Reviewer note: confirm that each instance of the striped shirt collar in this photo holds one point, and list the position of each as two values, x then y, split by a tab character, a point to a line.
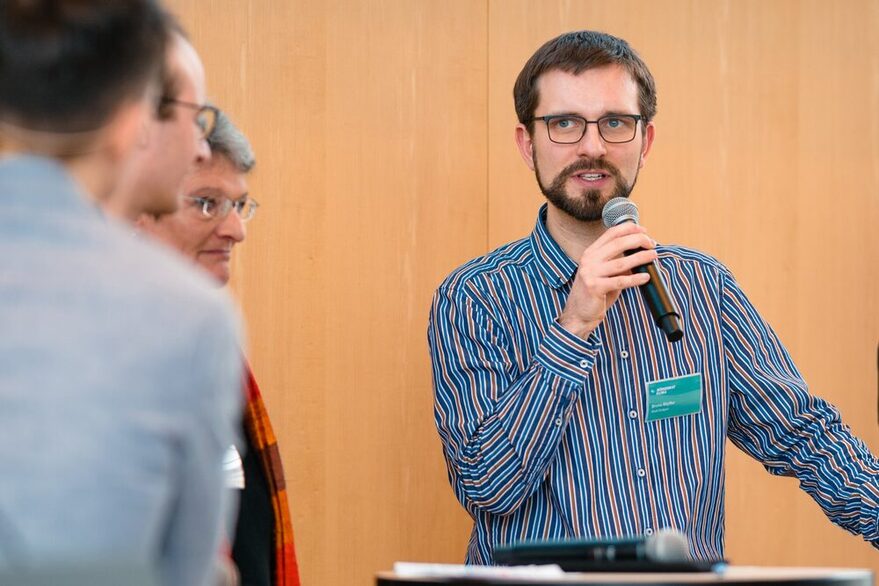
555	267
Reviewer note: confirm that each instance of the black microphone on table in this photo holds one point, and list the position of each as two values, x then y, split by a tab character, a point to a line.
667	548
655	293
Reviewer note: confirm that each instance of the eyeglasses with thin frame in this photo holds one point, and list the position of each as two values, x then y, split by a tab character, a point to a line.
570	128
211	207
205	114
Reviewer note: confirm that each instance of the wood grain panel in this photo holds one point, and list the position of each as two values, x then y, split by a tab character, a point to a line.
368	120
767	126
406	176
265	68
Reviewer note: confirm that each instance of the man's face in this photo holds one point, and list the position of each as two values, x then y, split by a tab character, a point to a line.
580	178
175	143
207	241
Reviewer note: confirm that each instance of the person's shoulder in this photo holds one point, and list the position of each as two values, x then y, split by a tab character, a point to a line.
511	256
682	255
188	327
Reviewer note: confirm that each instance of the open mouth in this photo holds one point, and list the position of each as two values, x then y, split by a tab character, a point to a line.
591	176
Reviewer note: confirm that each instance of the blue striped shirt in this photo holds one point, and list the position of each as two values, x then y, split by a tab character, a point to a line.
545	434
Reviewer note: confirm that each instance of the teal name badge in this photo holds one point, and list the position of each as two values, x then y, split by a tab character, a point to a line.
674	397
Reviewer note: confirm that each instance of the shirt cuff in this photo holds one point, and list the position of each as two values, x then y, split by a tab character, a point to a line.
567	355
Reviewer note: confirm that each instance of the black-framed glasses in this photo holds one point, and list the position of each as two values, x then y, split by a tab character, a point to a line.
205	114
570	128
212	207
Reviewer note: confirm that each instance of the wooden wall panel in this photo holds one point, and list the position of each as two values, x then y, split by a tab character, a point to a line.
384	134
368	123
254	59
405	192
766	127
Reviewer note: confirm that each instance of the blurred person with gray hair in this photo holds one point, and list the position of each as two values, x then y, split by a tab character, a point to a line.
211	220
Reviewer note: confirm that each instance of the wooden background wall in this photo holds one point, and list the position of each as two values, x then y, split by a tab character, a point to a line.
384	133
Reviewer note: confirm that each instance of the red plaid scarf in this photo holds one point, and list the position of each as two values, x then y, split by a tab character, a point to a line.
259	429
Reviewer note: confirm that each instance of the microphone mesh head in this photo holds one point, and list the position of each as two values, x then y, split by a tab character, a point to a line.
619	210
668	545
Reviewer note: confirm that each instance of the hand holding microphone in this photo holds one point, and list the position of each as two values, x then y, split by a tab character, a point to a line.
621	211
621	258
604	271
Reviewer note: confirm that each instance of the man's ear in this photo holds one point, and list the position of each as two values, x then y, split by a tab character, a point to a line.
649	135
525	144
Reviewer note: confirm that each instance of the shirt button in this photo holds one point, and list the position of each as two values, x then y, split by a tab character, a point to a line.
642	473
624	354
633	414
648	531
584	363
558	422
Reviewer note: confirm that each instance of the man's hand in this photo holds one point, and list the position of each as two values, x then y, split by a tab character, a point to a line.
604	272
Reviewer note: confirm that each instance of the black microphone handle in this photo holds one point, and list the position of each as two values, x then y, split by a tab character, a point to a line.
660	304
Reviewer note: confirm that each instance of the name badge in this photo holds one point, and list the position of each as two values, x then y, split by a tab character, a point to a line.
674	397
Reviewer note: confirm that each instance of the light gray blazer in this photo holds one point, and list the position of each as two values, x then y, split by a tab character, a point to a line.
120	388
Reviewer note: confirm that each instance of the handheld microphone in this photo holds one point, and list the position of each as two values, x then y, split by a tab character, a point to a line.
666	547
655	293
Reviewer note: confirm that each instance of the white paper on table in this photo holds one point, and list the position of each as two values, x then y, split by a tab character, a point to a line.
420	570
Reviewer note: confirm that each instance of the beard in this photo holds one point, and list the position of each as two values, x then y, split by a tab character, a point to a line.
588	206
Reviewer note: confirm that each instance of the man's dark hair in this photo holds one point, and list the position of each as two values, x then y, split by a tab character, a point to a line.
66	65
574	53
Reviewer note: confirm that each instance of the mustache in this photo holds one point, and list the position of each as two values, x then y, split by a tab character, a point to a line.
590	165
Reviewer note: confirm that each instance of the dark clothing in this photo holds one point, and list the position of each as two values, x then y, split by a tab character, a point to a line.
254	546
